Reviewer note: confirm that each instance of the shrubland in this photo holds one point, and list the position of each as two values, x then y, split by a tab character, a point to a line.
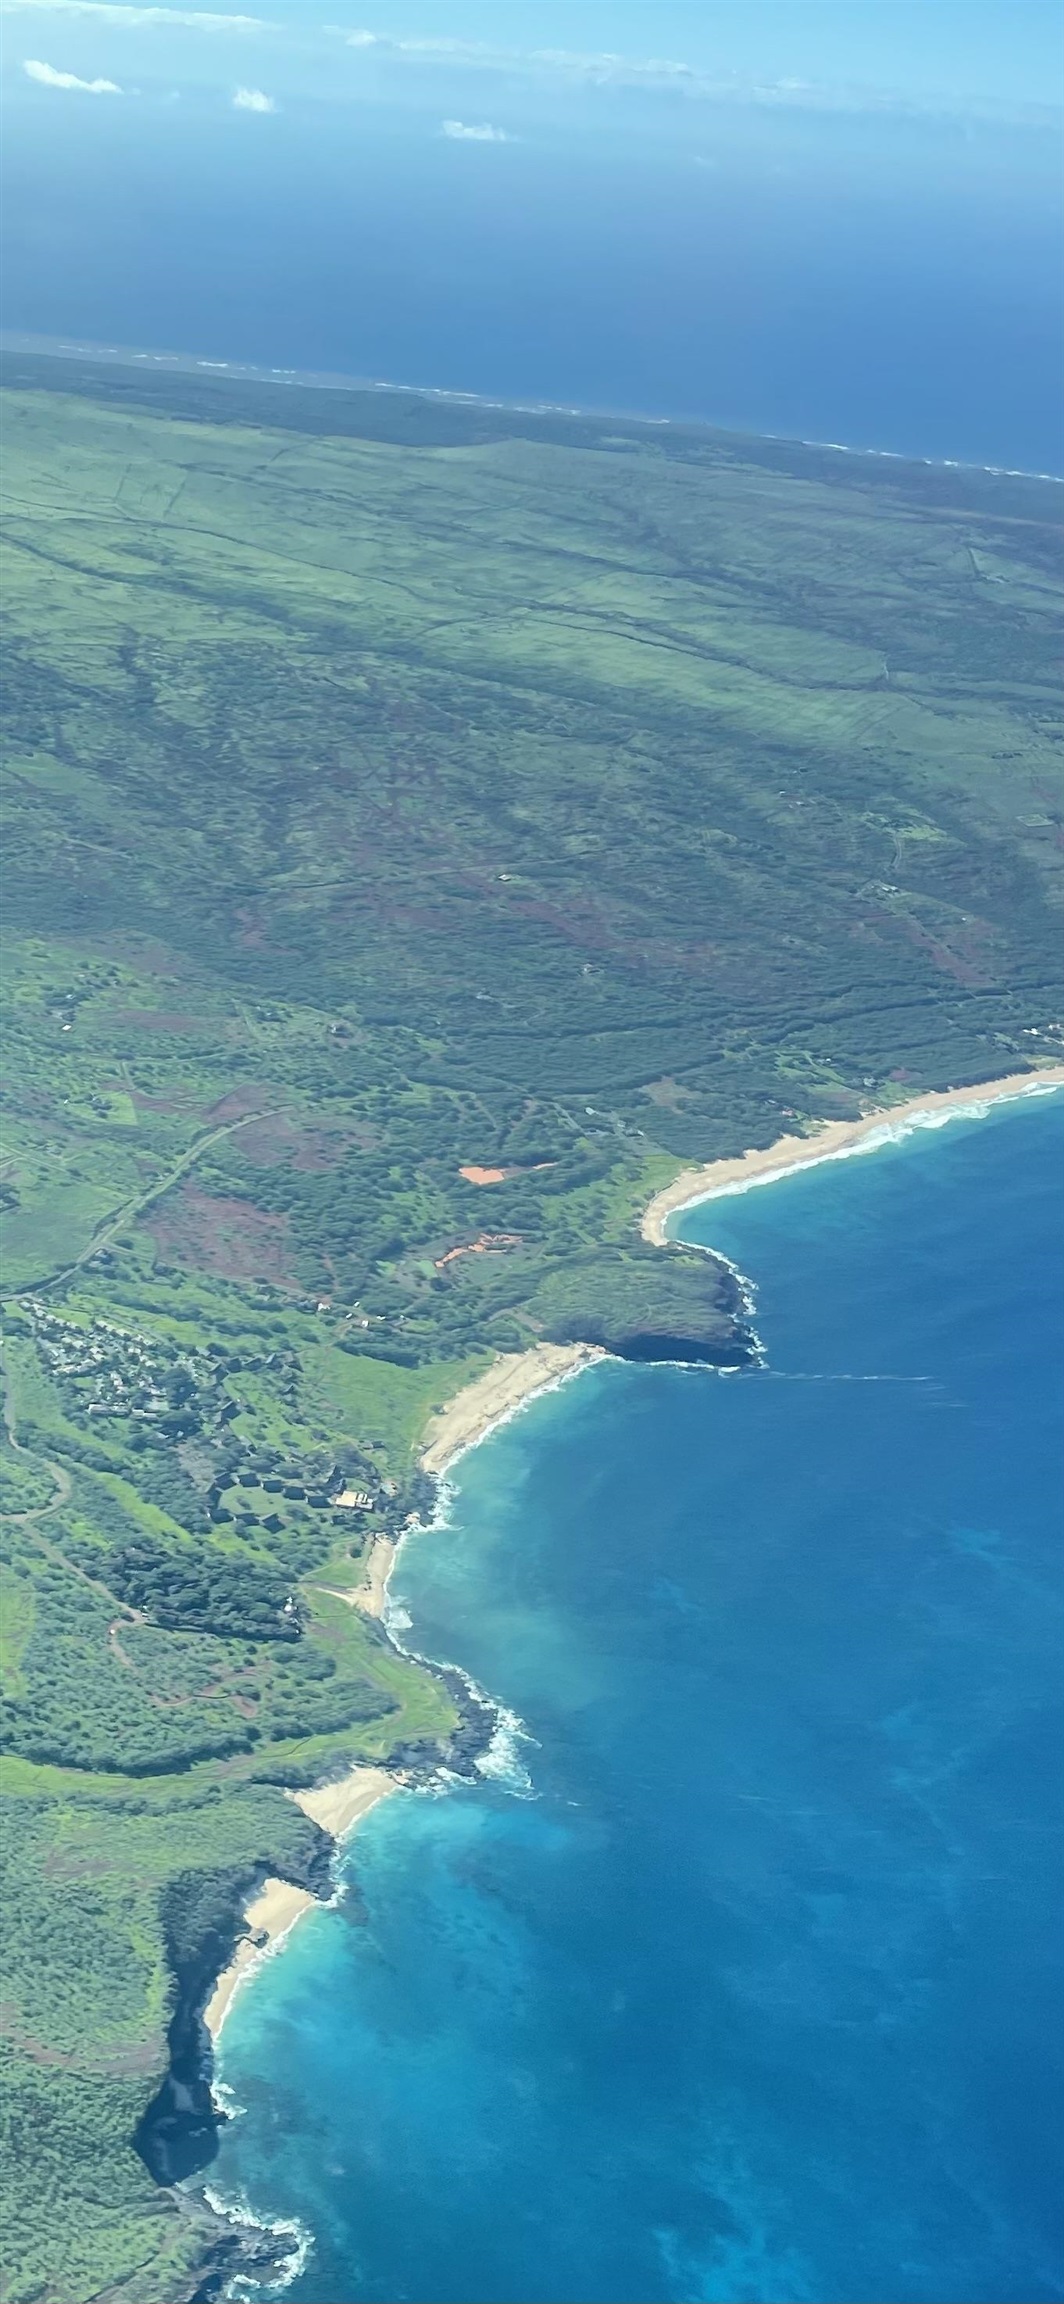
397	790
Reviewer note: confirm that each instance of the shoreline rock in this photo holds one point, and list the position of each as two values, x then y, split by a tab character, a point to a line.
177	2136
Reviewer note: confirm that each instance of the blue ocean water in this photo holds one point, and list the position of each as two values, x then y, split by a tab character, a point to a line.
882	283
751	1989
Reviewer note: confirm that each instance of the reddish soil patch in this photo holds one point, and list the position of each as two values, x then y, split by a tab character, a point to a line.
131	2060
254	1096
212	1233
185	1105
64	1864
268	1143
325	1147
144	953
489	1244
185	1101
279	1141
475	1175
250	929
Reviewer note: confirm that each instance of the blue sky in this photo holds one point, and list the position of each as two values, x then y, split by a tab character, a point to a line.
834	218
958	55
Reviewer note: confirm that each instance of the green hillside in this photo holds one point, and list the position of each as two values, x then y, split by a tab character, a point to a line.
394	790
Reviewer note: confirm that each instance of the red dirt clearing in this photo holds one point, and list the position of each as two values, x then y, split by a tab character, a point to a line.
212	1233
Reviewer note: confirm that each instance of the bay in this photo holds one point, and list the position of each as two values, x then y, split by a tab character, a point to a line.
744	1983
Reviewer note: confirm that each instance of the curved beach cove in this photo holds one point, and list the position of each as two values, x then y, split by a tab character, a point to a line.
740	1979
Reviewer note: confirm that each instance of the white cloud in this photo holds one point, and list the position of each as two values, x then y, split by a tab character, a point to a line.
253	100
571	63
606	69
458	130
111	12
48	77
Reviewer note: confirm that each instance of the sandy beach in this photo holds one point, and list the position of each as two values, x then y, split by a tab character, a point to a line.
371	1594
340	1805
516	1377
270	1915
278	1905
827	1143
513	1378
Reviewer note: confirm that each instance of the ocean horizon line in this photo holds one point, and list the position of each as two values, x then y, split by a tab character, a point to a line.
328	380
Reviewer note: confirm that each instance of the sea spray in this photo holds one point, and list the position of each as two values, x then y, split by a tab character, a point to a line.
290	2260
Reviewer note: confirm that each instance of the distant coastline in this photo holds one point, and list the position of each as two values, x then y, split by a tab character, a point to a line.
245	371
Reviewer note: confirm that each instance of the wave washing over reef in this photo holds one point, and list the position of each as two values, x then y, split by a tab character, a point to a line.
758	1996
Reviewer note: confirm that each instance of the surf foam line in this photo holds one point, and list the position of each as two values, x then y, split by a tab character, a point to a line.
289	2264
595	1353
326	380
886	1132
747	1290
500	1762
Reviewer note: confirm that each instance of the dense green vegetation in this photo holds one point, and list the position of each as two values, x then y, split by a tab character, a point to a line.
395	790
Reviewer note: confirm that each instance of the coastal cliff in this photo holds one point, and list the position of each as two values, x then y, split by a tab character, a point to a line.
639	1304
511	917
206	1923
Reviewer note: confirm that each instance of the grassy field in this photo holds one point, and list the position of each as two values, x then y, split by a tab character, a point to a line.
396	790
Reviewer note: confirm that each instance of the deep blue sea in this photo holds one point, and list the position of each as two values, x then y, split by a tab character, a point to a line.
745	1984
881	283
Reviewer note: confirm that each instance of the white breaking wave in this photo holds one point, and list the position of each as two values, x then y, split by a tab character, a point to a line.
502	1761
224	2100
287	2228
888	1132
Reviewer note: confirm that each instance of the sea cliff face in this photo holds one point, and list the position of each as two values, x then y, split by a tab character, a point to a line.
777	1917
203	1918
204	1922
680	1304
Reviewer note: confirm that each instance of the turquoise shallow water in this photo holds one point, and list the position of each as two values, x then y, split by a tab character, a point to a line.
751	1990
